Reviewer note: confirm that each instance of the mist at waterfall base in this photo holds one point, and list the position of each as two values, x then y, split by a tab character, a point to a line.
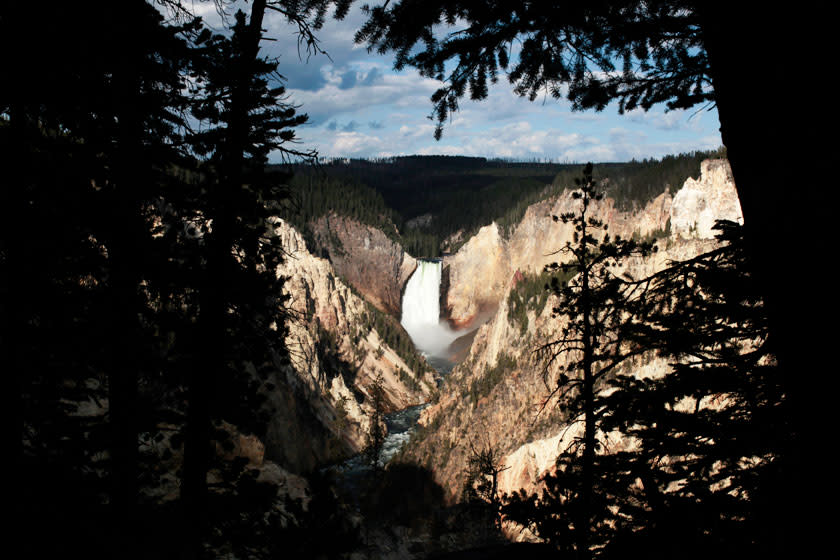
421	316
433	337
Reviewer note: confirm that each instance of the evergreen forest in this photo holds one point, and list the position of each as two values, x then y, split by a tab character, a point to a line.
421	202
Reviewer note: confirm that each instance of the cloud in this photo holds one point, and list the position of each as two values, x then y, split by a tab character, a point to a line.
395	90
417	130
355	143
358	106
373	77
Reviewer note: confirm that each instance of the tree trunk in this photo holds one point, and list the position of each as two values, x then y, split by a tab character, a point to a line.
588	481
15	299
755	58
125	255
214	297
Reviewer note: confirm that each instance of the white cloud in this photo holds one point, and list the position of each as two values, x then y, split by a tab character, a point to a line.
503	125
398	90
354	143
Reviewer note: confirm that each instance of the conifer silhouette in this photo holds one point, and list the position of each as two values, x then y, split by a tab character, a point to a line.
592	308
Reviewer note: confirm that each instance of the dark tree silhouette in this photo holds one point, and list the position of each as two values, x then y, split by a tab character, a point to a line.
111	228
93	141
484	465
704	450
712	436
593	308
241	302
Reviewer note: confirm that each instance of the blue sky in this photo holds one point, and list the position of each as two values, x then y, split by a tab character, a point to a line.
358	106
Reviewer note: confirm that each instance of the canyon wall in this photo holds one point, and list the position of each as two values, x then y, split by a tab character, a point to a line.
498	396
375	265
336	354
481	270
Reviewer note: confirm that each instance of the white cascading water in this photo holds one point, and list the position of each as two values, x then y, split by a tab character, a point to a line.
421	310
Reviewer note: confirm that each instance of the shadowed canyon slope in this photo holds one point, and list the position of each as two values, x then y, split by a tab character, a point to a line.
364	256
336	354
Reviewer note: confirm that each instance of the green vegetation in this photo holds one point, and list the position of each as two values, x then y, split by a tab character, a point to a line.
394	335
655	235
464	193
483	385
530	294
636	183
316	193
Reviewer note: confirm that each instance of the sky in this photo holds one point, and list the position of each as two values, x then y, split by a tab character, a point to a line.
360	107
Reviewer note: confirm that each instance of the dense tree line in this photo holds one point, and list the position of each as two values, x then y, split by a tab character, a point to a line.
530	294
143	320
463	194
314	194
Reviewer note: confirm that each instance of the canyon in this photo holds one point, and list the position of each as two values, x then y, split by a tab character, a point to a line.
496	396
332	297
509	411
336	356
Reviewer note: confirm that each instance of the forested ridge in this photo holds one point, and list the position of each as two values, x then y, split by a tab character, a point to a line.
420	201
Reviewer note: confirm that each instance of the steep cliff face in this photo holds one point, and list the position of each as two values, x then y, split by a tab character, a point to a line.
482	267
700	202
336	354
497	396
480	271
476	276
373	264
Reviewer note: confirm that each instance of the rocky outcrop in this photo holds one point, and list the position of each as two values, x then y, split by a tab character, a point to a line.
476	276
481	269
364	256
335	356
497	396
700	202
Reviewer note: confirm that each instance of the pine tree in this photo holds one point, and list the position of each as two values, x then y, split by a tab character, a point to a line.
93	142
707	450
593	308
241	322
484	465
377	431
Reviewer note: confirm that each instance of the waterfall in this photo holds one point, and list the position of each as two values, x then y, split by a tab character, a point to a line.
421	310
421	301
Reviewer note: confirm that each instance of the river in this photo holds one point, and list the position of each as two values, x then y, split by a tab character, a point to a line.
439	344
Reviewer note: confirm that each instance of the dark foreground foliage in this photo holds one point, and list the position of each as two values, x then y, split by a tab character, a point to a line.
708	450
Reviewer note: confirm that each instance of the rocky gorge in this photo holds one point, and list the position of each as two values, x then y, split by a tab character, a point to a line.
496	396
336	356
